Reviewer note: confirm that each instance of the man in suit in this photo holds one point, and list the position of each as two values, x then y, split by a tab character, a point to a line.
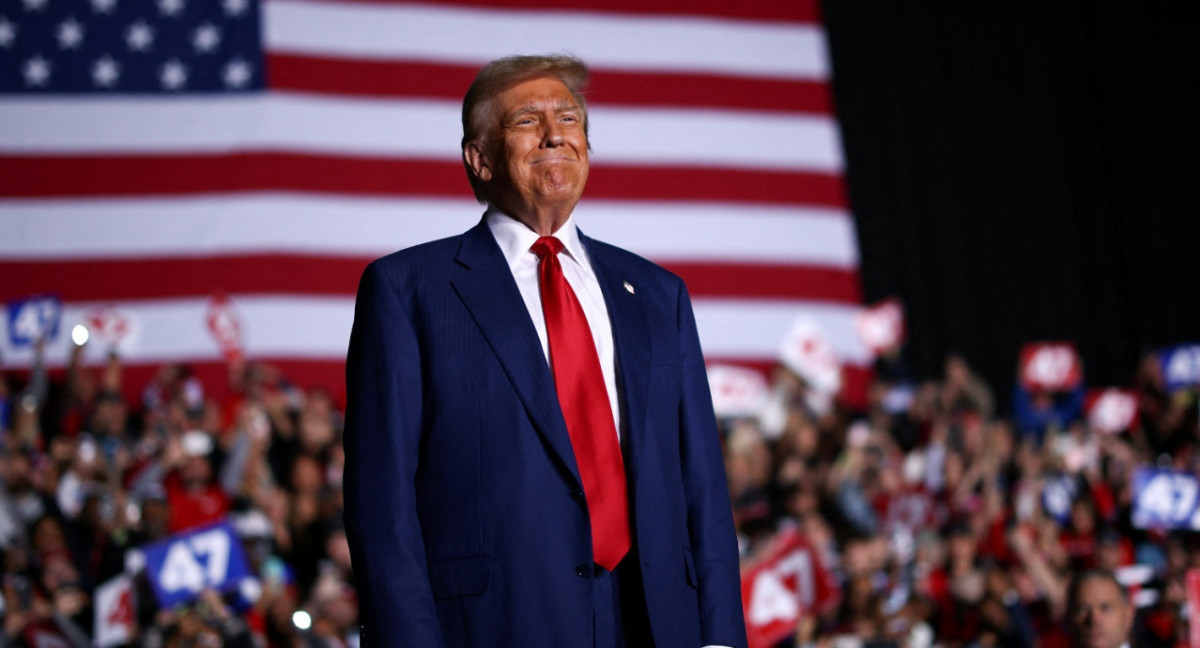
1099	610
531	452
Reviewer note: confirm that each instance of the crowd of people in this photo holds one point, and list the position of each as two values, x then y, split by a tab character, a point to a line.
944	523
90	480
932	520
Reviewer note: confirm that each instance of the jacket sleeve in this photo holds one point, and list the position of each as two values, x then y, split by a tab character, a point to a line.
382	439
710	516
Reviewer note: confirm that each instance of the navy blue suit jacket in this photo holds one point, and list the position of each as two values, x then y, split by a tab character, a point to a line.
464	509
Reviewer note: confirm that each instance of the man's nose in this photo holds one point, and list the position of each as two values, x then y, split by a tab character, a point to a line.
553	134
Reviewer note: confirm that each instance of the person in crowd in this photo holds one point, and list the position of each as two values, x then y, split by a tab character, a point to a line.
1099	610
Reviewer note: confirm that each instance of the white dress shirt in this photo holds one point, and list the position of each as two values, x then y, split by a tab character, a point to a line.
515	239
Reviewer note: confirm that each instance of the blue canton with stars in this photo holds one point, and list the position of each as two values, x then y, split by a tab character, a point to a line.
130	46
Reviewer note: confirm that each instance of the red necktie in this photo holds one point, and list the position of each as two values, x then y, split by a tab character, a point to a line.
586	408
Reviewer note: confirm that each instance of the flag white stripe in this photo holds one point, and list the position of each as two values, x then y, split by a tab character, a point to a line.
98	228
426	129
754	328
474	36
319	328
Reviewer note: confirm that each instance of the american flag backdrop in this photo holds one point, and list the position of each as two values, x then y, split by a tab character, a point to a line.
155	153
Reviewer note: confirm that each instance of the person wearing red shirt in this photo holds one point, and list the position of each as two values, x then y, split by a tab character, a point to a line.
193	495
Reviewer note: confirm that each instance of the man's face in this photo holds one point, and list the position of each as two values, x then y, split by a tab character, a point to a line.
535	161
1102	618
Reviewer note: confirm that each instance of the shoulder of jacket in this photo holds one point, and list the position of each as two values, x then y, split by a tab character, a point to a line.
622	260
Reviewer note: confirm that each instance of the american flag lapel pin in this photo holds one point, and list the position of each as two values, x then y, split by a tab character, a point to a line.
629	287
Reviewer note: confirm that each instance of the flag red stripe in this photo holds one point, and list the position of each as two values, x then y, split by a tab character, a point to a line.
769	281
132	279
113	175
299	274
807	11
375	78
856	379
330	375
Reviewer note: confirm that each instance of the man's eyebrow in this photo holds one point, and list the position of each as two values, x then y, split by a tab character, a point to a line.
560	107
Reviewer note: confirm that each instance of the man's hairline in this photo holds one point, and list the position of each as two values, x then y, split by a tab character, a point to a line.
1095	574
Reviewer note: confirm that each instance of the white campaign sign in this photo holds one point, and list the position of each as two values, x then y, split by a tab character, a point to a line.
1114	410
115	612
808	352
737	391
1051	365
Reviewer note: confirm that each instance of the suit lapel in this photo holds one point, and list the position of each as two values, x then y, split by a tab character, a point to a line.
631	338
487	289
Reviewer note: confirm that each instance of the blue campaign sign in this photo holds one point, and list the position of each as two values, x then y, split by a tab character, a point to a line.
33	318
1180	366
186	563
1166	499
1057	497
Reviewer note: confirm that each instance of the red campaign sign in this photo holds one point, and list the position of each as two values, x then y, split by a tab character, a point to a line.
881	326
1192	585
787	580
909	509
1050	366
108	325
737	391
809	353
226	327
1111	411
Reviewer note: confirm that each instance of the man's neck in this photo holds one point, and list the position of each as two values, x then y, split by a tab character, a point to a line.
543	221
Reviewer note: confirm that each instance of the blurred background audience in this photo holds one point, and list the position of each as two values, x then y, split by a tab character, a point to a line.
927	518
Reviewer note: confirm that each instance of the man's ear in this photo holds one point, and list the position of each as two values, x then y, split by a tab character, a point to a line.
477	160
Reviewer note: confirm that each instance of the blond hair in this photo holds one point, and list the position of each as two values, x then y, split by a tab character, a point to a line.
503	73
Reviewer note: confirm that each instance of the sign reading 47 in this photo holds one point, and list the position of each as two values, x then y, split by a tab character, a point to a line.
1166	499
183	565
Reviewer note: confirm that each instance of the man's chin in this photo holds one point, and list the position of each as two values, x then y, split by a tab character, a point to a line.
558	193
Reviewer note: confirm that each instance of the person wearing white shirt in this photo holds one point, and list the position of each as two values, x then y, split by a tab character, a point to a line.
532	457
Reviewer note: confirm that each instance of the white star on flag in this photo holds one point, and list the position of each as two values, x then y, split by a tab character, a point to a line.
170	7
236	73
105	72
8	32
34	5
206	38
70	34
235	7
173	75
103	6
36	71
139	36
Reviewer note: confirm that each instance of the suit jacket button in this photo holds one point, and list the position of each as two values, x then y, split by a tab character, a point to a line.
583	571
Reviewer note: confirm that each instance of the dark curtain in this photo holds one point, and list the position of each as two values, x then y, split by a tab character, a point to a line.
1025	170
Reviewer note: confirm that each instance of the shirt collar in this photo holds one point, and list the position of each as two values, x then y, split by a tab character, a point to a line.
515	238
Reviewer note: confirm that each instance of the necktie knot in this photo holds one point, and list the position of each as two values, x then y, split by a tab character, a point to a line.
546	245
